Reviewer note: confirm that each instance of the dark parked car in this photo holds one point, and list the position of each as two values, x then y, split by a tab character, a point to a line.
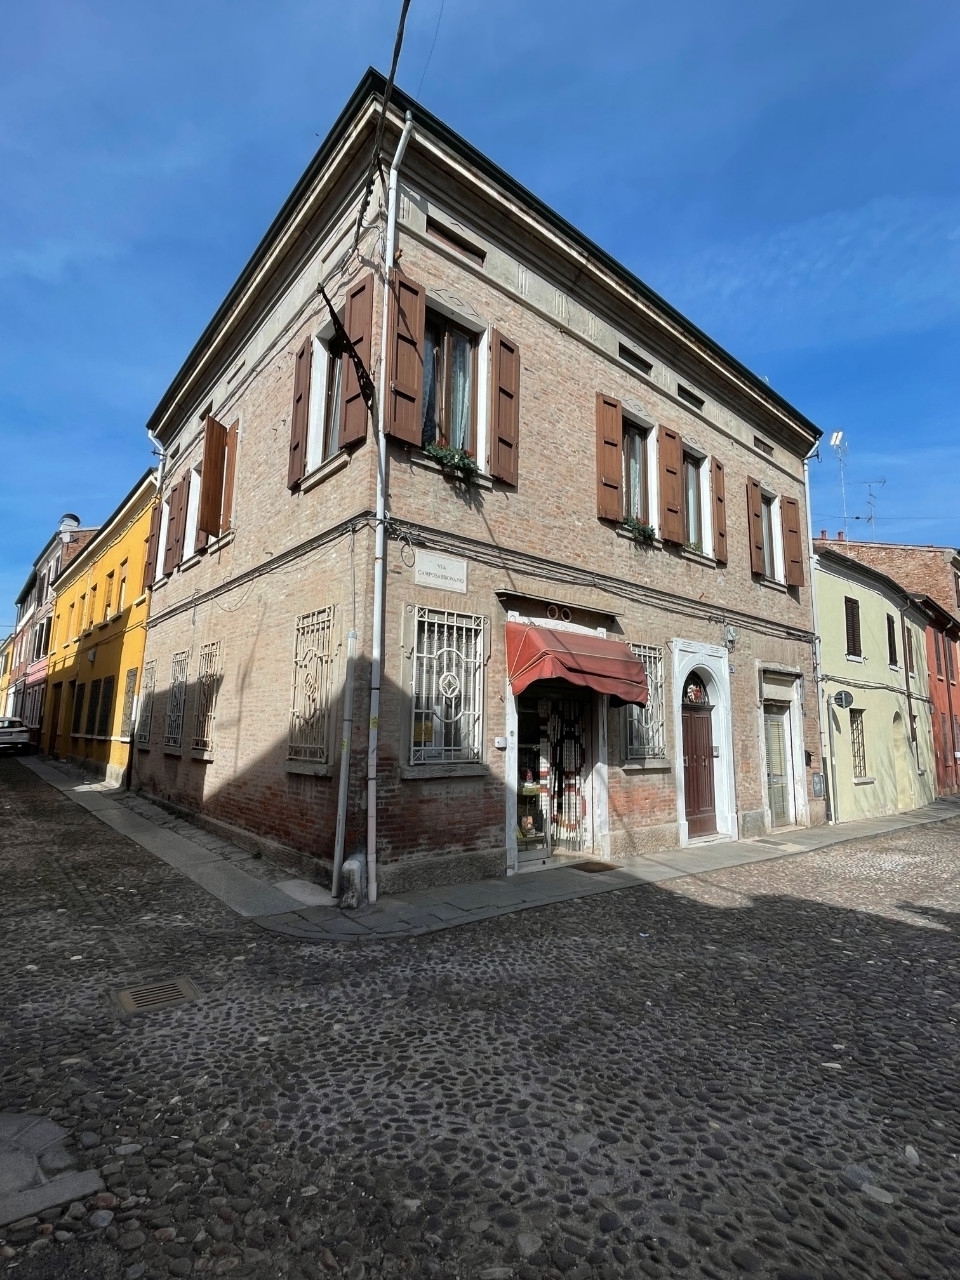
14	735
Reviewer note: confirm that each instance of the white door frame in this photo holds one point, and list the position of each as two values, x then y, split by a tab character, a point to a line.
799	804
711	662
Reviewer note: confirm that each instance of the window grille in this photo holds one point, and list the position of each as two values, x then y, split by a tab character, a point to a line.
106	706
447	719
93	706
129	692
146	703
208	682
645	727
312	679
857	746
173	731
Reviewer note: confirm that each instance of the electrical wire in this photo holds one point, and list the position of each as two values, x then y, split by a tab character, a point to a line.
375	164
432	47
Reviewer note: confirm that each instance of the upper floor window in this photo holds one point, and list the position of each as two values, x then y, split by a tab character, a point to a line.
438	391
449	378
851	616
776	537
769	537
329	408
108	596
636	488
948	650
936	653
692	501
892	657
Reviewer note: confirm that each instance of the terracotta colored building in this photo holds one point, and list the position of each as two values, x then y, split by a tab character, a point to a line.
492	491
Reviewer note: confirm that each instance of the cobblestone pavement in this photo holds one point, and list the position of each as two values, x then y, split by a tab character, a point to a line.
745	1072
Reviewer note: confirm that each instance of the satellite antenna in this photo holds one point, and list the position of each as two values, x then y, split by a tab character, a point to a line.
839	446
872	503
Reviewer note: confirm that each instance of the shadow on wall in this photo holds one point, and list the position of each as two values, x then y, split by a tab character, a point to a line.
280	794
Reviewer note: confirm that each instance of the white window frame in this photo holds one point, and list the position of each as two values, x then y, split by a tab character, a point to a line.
705	493
631	422
161	537
776	524
428	694
320	370
474	324
176	699
649	722
311	699
194	481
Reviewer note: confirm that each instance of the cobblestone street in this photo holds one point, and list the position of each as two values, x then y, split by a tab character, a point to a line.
750	1071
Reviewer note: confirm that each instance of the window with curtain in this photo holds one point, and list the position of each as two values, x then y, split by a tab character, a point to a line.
691	501
449	385
769	557
635	487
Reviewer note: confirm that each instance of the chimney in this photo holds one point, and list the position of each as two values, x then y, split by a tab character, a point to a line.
823	535
839	535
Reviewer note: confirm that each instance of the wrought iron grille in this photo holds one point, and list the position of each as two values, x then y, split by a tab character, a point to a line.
857	745
129	693
646	735
312	679
447	721
208	683
148	684
173	732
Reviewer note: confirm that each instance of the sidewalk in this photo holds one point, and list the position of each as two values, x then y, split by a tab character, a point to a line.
298	909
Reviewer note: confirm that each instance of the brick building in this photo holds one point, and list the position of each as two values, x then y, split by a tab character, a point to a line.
31	637
924	571
583	495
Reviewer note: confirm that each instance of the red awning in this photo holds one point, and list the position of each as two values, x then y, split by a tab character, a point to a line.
606	666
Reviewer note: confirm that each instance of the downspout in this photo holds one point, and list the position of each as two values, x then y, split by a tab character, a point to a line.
379	583
346	742
131	750
907	674
829	790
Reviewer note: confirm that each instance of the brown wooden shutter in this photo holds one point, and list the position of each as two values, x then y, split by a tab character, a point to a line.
505	435
229	477
792	541
609	458
297	463
173	503
670	452
358	322
153	548
178	518
211	479
851	617
719	512
755	526
405	330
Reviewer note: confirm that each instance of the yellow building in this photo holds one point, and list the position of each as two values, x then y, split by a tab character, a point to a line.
97	641
876	707
6	665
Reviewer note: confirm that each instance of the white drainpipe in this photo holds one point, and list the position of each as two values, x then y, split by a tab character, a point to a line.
345	746
823	707
379	601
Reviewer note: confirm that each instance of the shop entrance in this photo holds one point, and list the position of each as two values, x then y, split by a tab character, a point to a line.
554	762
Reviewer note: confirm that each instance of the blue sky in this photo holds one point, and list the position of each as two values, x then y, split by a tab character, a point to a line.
784	173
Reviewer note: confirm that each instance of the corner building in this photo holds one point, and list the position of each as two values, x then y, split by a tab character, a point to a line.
585	495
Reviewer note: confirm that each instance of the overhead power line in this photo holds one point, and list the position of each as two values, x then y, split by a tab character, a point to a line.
375	164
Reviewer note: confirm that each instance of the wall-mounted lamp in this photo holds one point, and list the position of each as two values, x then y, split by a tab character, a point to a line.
92	654
730	637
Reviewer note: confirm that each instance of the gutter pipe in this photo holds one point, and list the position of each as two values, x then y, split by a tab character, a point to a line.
830	789
346	742
379	594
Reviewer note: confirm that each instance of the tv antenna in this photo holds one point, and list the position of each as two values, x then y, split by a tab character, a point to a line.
872	503
839	447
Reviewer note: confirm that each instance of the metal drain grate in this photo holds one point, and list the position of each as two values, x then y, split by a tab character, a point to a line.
593	866
156	995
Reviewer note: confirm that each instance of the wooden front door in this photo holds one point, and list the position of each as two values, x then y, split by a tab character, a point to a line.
699	800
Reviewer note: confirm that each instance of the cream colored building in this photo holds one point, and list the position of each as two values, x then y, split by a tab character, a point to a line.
875	703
